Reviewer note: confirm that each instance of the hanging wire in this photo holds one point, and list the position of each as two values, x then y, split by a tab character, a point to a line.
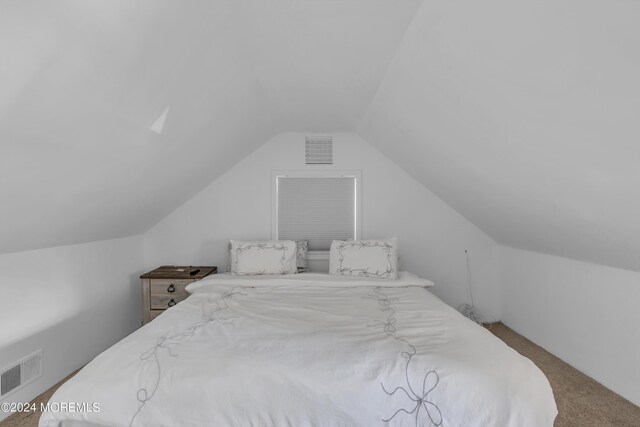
469	310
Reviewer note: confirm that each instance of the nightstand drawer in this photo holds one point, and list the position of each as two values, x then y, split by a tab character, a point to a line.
169	286
162	302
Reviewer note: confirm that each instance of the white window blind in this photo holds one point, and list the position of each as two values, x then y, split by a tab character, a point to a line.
318	209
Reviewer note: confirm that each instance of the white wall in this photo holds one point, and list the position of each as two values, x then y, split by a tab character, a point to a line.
72	301
237	205
586	314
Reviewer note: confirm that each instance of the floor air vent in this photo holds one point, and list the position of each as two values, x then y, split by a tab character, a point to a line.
21	373
319	150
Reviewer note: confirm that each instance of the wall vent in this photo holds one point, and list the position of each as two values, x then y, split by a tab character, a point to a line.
21	373
319	150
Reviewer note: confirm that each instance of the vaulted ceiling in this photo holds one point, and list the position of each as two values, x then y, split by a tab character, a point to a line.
524	117
521	115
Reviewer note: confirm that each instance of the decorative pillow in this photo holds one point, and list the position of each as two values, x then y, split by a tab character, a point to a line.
302	247
365	258
263	257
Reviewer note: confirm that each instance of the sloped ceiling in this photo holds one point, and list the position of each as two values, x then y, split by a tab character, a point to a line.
83	83
521	115
322	61
524	116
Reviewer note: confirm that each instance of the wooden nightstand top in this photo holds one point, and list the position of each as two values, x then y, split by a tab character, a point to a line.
180	272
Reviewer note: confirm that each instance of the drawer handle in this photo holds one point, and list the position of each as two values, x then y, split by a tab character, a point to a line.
171	288
172	302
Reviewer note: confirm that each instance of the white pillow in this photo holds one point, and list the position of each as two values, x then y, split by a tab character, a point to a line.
302	249
365	258
263	257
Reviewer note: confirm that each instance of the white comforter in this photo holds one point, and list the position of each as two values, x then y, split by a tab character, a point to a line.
309	350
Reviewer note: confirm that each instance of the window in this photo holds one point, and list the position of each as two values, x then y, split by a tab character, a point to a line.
318	207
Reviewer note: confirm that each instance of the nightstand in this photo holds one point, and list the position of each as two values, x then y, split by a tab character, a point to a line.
164	287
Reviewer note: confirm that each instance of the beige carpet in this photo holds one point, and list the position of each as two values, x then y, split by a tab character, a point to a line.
582	402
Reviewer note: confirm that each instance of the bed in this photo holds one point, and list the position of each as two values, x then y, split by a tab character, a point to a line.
308	350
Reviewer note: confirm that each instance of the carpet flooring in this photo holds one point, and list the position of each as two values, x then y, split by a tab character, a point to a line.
581	401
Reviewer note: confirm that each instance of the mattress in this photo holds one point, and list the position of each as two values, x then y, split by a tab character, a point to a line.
308	350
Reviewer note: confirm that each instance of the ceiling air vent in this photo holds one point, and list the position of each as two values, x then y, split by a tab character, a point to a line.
20	373
319	150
